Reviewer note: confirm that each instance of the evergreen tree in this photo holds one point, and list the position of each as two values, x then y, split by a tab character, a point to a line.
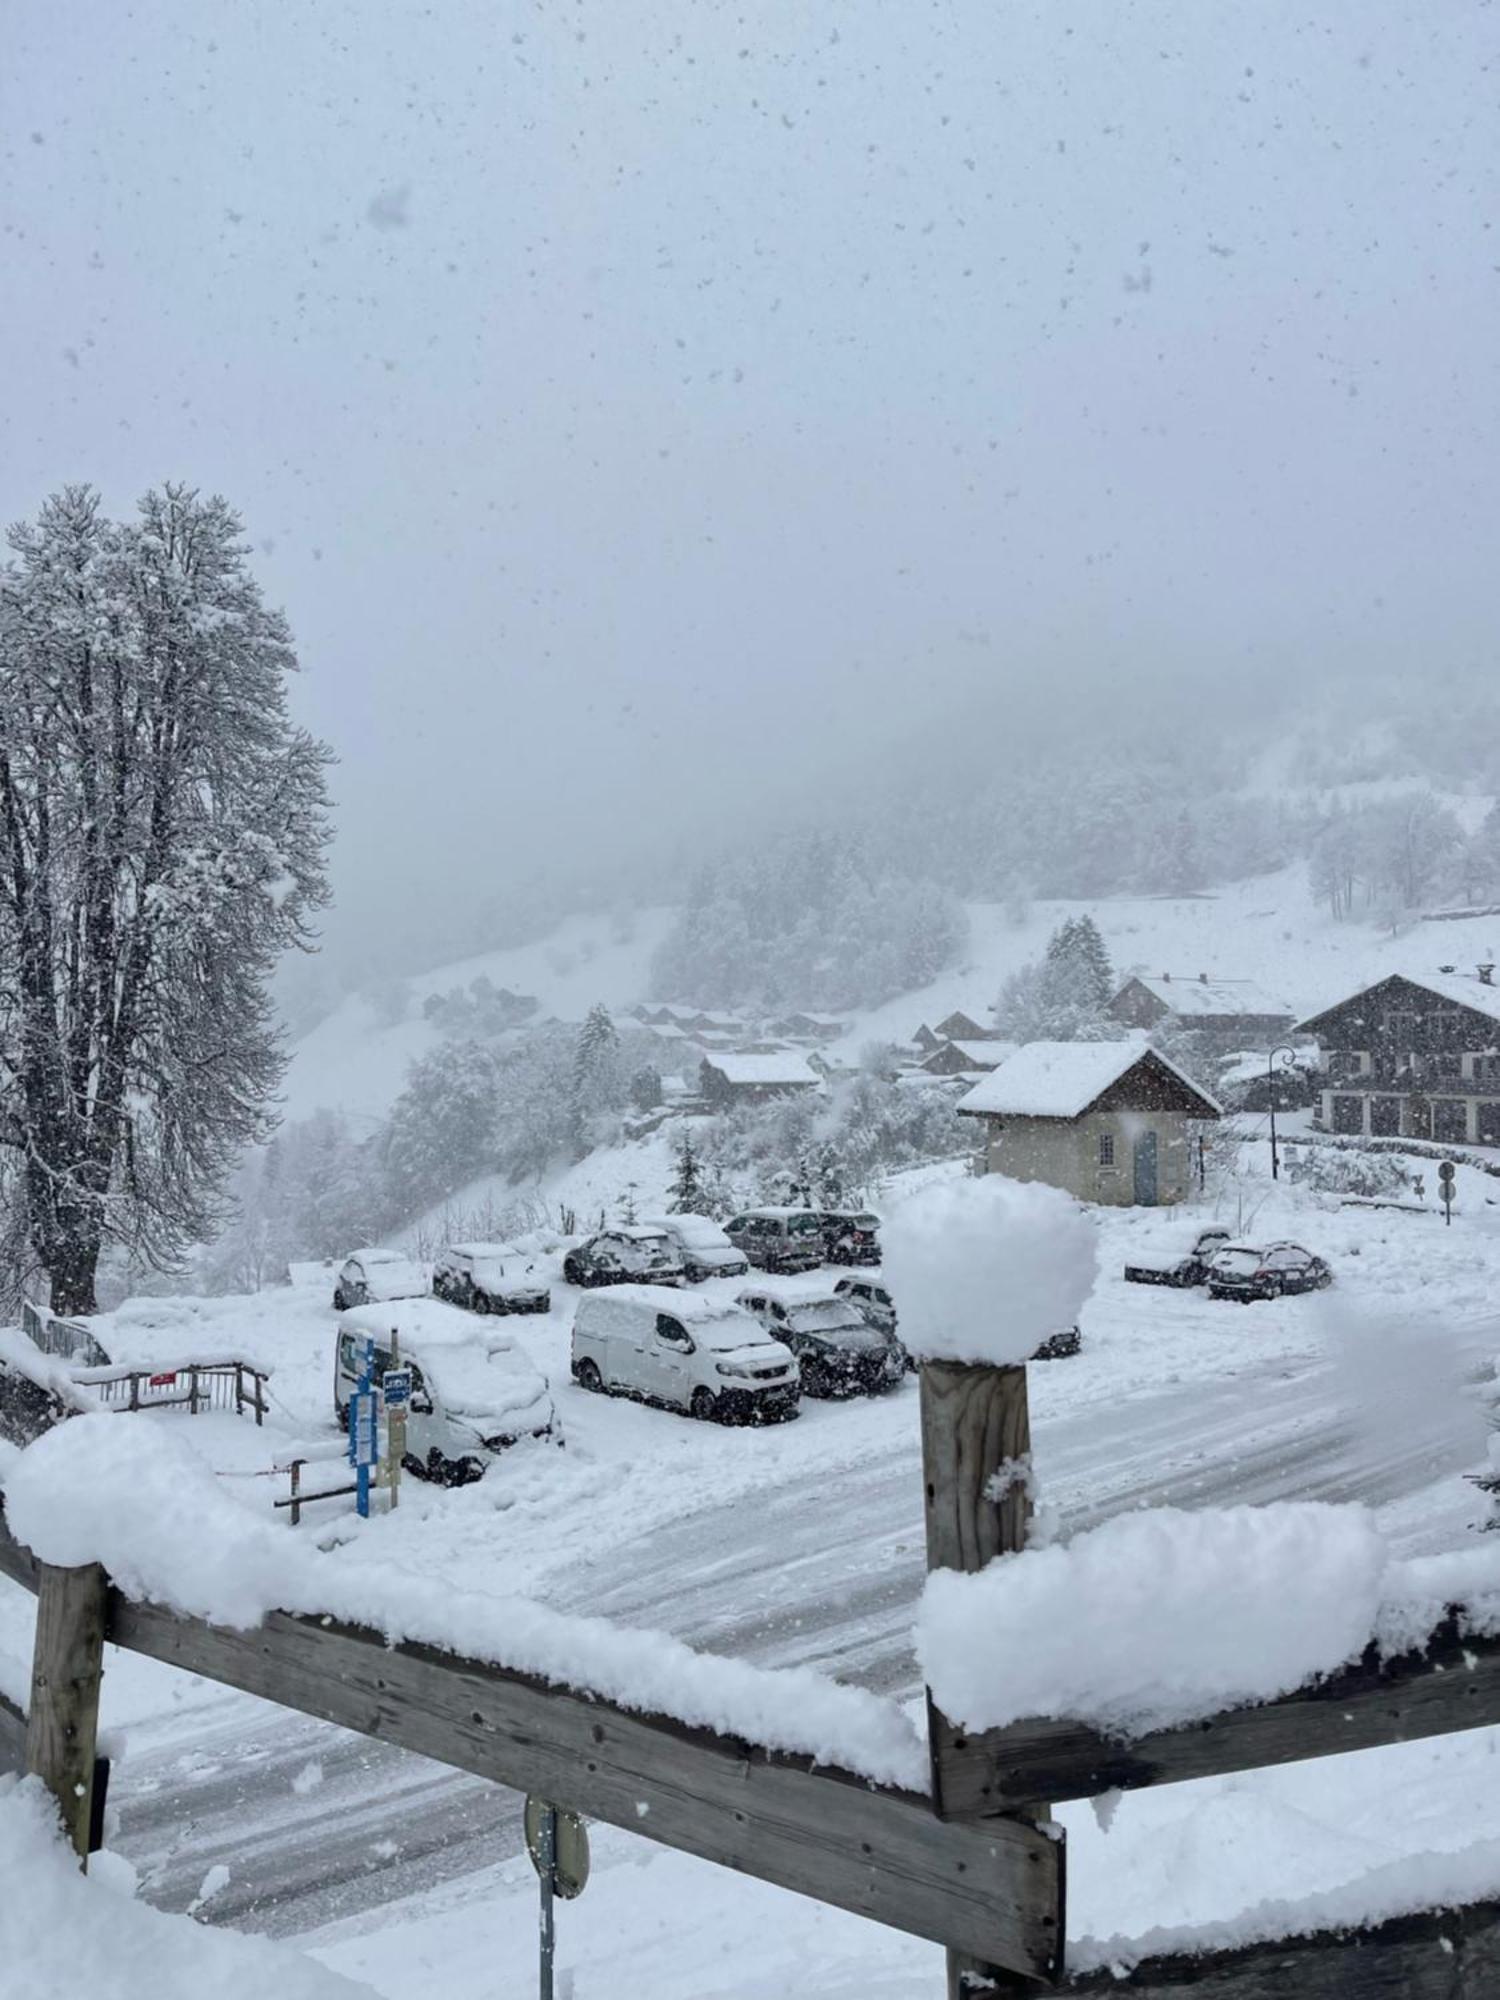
687	1193
442	1127
596	1075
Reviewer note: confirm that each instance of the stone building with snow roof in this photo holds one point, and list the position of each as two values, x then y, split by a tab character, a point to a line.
1110	1122
1415	1056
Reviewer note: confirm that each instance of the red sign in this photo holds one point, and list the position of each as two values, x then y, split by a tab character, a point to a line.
162	1381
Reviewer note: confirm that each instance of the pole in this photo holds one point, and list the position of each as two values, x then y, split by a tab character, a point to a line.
395	1431
1288	1056
547	1868
976	1470
62	1716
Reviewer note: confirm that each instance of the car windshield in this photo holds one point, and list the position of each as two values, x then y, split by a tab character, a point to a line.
826	1316
1238	1263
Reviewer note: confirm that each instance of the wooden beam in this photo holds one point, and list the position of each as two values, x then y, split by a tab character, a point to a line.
62	1716
994	1891
12	1737
1436	1955
976	1454
1453	1685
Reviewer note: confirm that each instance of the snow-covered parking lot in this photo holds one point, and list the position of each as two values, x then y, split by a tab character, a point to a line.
802	1543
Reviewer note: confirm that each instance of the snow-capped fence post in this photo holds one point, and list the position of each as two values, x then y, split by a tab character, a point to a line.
976	1473
62	1717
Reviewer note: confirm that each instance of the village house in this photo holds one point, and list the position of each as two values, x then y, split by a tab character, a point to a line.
1235	1013
803	1027
1110	1122
1413	1057
740	1078
961	1027
966	1058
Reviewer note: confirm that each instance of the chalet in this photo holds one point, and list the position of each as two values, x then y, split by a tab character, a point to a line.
1414	1058
966	1058
1235	1011
925	1040
803	1027
738	1078
1109	1122
961	1027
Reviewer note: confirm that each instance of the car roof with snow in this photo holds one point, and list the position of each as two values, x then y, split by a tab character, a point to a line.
481	1250
782	1213
789	1291
718	1323
426	1322
696	1228
472	1367
637	1232
379	1254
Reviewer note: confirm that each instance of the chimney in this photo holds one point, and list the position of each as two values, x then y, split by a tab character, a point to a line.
1447	968
1486	973
1203	979
1166	979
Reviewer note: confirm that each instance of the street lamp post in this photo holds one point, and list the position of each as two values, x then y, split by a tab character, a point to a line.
1288	1057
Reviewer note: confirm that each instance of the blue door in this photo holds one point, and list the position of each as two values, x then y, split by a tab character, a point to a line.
1145	1170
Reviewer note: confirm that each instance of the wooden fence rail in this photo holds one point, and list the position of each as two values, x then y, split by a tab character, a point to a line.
221	1385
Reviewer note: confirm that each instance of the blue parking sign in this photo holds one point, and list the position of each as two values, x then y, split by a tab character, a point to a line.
395	1385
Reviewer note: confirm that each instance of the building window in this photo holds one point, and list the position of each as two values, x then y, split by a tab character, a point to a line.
1450	1121
1348	1114
1385	1117
1106	1149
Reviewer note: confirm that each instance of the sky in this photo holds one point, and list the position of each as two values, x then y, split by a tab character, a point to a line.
655	417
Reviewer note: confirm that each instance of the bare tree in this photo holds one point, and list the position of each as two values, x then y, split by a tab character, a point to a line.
162	832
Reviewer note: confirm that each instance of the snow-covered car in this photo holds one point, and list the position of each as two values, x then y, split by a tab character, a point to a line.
839	1352
705	1251
1189	1269
705	1356
870	1297
370	1275
490	1278
474	1392
779	1239
850	1236
1246	1274
632	1254
1059	1346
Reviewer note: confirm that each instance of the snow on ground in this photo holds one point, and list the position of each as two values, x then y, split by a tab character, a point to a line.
64	1933
802	1544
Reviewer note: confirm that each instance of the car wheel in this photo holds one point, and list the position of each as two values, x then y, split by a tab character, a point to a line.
702	1406
437	1468
570	1271
589	1377
341	1411
340	1301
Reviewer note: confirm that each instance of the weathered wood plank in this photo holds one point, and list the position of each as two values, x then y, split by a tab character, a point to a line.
1438	1955
995	1891
12	1737
976	1447
62	1715
1454	1685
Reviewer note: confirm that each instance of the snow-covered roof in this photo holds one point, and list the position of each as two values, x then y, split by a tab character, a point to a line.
783	1066
982	1055
427	1322
1191	994
1467	989
1062	1079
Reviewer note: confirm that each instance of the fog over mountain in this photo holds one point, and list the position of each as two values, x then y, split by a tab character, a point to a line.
670	422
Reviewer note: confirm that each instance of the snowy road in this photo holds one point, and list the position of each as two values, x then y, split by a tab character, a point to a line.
804	1571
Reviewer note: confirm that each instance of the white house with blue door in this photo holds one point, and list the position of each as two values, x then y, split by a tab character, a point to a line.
1112	1122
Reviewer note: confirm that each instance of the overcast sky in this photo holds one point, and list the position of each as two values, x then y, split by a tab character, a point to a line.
641	408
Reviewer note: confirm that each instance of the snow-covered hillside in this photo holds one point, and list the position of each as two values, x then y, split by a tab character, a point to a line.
354	1061
1267	929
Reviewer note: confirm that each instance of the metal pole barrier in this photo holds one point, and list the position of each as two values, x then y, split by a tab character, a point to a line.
547	1933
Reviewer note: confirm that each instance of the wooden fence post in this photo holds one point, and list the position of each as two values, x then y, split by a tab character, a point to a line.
62	1720
976	1450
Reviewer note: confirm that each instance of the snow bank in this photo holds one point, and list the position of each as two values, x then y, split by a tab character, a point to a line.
1435	1879
983	1269
1156	1617
65	1933
138	1499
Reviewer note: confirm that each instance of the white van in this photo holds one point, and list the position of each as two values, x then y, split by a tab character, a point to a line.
473	1391
705	1356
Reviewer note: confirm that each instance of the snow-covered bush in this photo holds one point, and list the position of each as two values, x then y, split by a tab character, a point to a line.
1342	1170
